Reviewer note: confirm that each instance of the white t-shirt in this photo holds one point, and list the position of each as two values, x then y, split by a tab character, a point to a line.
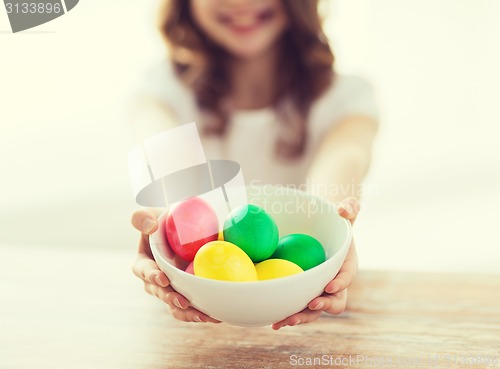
251	135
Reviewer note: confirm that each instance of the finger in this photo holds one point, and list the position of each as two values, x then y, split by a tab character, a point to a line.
146	269
162	279
192	315
145	220
167	295
349	208
144	250
144	247
178	304
332	304
305	316
176	299
346	273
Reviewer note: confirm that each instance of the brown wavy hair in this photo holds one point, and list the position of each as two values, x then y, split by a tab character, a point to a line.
305	69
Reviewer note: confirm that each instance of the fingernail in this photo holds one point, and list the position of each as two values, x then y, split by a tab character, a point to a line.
152	277
148	225
328	289
357	207
318	306
158	280
177	303
332	290
348	208
197	319
297	322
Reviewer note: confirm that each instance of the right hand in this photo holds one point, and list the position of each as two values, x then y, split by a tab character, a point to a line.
156	283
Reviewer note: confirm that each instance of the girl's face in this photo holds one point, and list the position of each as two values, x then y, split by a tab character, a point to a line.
244	28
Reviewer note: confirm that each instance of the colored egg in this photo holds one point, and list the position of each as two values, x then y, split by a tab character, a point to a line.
224	261
301	249
221	236
190	268
276	268
191	224
253	230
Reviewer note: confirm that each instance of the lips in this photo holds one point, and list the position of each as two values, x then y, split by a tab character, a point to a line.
244	22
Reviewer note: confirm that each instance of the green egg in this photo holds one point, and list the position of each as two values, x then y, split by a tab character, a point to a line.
301	249
253	230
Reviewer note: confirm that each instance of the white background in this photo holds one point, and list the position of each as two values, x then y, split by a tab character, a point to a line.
435	181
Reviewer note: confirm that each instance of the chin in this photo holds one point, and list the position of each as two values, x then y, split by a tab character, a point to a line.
248	51
247	54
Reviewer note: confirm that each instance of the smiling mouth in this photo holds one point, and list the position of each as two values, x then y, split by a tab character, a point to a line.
247	22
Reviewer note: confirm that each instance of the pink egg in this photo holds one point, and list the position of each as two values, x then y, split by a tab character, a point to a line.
190	268
190	225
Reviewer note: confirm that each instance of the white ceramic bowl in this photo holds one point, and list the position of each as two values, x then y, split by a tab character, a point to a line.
266	302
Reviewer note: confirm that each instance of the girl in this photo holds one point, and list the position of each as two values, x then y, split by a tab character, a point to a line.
258	77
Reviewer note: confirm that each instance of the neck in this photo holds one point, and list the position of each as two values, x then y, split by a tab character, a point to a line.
253	81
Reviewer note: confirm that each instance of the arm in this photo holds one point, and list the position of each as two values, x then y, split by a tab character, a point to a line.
341	162
150	116
343	159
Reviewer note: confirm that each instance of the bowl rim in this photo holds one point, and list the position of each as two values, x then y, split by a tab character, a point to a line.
176	270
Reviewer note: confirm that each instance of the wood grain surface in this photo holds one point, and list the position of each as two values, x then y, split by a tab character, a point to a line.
74	308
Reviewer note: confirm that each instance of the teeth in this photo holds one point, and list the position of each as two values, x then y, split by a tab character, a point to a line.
245	19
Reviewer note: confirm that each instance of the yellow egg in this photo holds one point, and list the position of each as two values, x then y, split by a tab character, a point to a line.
224	261
276	268
220	237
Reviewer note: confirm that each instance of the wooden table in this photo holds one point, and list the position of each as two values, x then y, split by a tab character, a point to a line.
68	308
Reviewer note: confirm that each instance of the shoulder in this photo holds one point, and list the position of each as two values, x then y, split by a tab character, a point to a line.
158	82
348	82
159	79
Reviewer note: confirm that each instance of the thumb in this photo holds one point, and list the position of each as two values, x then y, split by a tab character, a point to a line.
145	220
349	208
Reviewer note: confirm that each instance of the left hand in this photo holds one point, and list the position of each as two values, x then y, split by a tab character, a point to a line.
334	299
